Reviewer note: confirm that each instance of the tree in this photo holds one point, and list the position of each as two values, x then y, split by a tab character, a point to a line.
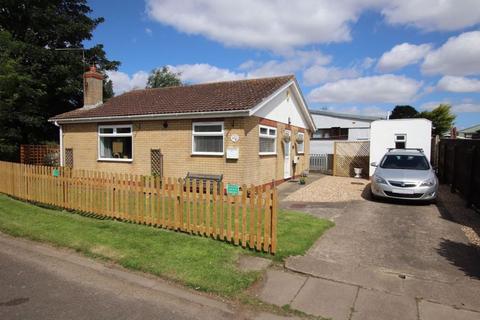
163	77
442	118
403	112
37	81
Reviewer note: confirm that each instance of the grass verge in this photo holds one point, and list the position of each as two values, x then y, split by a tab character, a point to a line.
201	263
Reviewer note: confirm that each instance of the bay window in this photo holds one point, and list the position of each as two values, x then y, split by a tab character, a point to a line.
207	138
115	143
268	140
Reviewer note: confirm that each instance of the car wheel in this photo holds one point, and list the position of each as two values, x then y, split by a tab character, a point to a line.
373	196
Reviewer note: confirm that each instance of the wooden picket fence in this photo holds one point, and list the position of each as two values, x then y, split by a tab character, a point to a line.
197	207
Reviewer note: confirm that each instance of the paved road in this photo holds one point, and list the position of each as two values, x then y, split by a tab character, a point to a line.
382	260
40	282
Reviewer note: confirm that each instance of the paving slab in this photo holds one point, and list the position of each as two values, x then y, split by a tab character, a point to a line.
250	263
269	316
379	305
326	298
281	287
434	311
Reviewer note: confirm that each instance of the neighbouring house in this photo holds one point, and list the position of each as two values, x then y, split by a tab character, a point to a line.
334	126
250	131
470	133
399	134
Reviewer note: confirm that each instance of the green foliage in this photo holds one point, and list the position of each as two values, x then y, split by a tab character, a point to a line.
37	81
442	118
107	90
163	77
198	262
403	112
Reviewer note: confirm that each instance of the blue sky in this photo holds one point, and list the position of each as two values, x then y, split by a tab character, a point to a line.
358	56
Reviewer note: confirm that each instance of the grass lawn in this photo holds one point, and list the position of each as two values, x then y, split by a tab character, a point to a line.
198	262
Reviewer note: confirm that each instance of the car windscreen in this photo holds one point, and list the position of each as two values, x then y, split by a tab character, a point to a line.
409	162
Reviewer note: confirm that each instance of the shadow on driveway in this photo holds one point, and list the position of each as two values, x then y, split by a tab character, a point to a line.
463	256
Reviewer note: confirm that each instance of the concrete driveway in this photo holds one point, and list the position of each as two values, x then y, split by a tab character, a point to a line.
384	260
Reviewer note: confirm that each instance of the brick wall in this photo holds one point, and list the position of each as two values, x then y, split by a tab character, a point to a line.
175	143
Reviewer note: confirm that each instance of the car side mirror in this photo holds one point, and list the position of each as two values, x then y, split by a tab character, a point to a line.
373	164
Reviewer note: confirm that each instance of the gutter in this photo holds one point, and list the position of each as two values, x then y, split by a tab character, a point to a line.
164	116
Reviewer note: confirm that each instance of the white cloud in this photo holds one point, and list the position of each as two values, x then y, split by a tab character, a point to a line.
460	107
122	82
203	72
148	31
458	84
459	56
433	15
318	74
275	24
280	25
367	63
402	55
376	89
290	64
466	107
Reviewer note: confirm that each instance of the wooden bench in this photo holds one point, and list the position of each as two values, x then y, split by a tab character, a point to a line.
194	177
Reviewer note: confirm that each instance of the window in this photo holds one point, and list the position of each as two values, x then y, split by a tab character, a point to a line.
300	143
115	143
408	162
400	141
335	133
207	138
268	140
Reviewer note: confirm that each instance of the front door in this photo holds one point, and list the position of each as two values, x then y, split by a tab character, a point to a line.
287	146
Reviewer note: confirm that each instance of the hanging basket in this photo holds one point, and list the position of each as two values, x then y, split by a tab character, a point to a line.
299	138
286	137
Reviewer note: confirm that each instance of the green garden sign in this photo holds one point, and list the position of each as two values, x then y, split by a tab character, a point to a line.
56	172
233	189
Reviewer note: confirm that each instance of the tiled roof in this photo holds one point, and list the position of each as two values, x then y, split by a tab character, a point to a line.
210	97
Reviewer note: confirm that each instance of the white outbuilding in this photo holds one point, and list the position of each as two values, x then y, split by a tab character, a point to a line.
399	133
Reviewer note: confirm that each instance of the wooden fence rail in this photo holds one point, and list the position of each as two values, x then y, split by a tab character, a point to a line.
197	207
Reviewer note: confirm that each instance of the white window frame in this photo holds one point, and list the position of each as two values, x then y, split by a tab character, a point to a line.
303	143
114	134
268	136
210	134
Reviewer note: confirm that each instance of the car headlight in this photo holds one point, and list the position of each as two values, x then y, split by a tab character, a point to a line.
428	183
379	179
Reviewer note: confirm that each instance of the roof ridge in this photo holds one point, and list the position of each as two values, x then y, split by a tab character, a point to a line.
210	83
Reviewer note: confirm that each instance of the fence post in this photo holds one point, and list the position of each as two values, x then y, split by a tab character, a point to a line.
454	175
473	172
273	223
334	158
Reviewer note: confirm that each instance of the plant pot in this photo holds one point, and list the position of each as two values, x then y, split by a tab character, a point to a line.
358	172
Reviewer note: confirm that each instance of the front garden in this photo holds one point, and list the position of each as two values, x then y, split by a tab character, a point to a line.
197	262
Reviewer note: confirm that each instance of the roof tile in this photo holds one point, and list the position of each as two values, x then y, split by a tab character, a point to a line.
210	97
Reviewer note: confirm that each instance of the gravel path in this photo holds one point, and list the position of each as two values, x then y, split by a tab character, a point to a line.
330	189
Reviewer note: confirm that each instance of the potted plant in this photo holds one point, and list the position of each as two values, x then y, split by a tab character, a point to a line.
302	180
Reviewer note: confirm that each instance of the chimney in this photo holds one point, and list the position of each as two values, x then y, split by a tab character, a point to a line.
92	88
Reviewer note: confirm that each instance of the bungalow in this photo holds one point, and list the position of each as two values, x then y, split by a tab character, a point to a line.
251	131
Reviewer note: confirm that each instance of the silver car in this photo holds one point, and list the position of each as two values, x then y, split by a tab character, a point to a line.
404	174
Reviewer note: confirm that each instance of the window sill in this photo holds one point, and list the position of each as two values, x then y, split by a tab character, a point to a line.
267	154
214	154
114	160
